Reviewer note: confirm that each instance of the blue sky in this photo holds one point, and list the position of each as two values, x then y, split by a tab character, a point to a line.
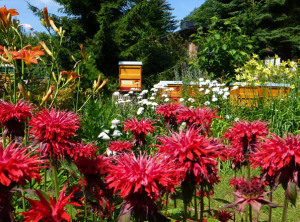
181	9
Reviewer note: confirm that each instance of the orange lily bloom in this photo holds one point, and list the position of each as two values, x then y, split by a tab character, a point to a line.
28	55
71	75
4	15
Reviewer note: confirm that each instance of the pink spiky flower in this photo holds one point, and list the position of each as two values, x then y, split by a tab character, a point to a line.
53	130
82	150
17	166
244	137
14	116
141	180
170	112
119	146
250	192
52	211
139	129
191	150
279	157
200	117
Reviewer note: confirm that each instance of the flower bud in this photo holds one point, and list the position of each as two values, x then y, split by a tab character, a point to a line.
46	97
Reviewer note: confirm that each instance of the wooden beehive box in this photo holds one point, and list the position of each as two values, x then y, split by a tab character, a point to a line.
250	95
175	89
130	76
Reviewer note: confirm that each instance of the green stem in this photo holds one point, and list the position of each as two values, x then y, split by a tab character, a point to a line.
23	199
184	212
195	203
84	197
77	97
167	200
202	202
15	85
270	208
285	207
250	213
55	180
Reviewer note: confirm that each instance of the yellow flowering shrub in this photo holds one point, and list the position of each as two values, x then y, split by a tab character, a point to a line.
255	71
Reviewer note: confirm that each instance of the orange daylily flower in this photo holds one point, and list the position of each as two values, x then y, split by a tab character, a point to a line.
71	75
28	55
4	15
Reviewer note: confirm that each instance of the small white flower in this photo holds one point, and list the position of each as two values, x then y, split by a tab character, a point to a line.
207	91
234	88
145	91
117	133
126	95
140	110
207	103
191	107
214	99
130	92
227	117
191	100
128	101
155	90
226	89
154	104
171	89
115	122
216	89
152	98
116	94
110	153
164	95
201	80
201	89
237	119
220	92
139	97
104	136
153	94
145	101
166	99
181	99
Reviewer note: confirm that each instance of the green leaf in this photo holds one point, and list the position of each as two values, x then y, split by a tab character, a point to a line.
212	220
217	36
224	47
291	192
222	200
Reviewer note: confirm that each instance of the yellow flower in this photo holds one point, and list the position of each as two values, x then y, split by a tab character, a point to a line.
292	86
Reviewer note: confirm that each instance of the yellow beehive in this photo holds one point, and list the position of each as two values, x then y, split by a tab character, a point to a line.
130	76
174	89
250	95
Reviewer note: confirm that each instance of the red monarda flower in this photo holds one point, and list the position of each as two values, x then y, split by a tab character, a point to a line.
81	150
250	192
51	212
119	146
279	157
93	169
224	215
169	111
200	117
139	129
193	151
244	137
14	116
141	180
53	130
17	166
131	174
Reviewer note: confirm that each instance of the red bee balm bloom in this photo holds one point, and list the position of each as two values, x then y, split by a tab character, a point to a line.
280	156
18	166
13	117
120	146
244	137
200	117
50	212
191	150
132	174
81	150
169	111
54	130
141	180
250	192
139	129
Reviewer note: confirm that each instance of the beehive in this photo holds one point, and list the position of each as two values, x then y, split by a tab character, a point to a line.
130	76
